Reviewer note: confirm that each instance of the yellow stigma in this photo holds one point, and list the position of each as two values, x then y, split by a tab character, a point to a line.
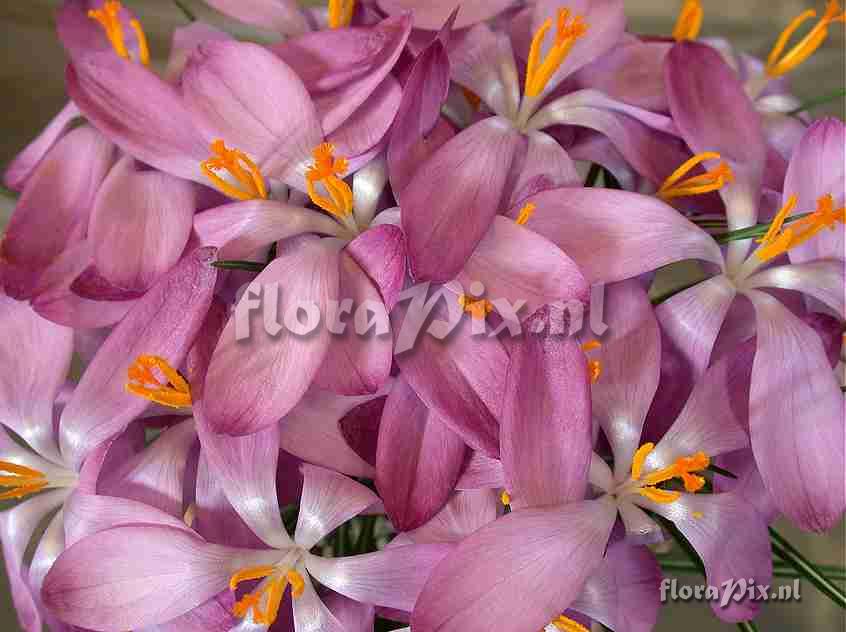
239	167
326	169
21	482
145	381
264	602
712	180
505	498
683	468
690	21
780	240
565	624
526	213
778	65
538	73
109	18
340	13
594	366
478	308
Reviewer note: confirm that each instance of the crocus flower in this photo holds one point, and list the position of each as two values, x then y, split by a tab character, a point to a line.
514	564
501	159
182	571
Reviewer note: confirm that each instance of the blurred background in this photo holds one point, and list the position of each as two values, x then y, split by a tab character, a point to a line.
31	77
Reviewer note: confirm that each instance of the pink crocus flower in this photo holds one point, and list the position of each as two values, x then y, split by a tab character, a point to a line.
180	570
513	565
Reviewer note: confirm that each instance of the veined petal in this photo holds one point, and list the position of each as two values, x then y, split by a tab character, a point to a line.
283	16
464	514
310	613
133	576
381	253
392	577
431	14
792	380
354	616
37	354
617	235
185	39
246	404
822	279
546	432
630	358
329	499
418	459
23	165
444	223
164	323
233	89
474	588
546	166
140	224
699	101
117	97
692	319
242	229
816	169
50	546
481	472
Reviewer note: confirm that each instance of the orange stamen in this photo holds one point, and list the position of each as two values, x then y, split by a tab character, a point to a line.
565	624
23	482
639	458
683	468
780	240
505	498
594	366
473	99
478	308
340	13
271	591
526	213
109	18
240	168
144	382
690	21
661	496
712	180
778	65
538	73
326	169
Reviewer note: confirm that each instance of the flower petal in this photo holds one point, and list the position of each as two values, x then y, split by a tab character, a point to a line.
481	472
464	514
444	223
329	499
392	577
792	380
822	279
164	322
310	613
617	235
283	16
418	459
185	39
431	14
245	404
381	253
546	166
140	224
474	588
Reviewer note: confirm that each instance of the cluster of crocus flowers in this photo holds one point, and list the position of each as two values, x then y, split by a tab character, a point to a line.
304	335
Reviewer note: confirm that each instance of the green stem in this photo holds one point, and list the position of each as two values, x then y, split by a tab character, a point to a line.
365	543
827	98
249	266
593	175
189	15
610	181
790	554
759	230
747	626
718	470
8	192
780	569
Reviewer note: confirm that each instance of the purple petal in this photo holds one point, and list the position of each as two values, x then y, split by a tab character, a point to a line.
163	323
140	224
329	499
52	211
352	615
630	358
481	472
392	577
311	431
517	264
824	280
19	170
244	403
156	476
142	114
431	14
699	101
474	588
817	169
464	514
444	223
380	251
283	16
310	611
242	229
50	546
546	432
546	166
37	355
133	576
591	226
185	40
801	464
418	459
